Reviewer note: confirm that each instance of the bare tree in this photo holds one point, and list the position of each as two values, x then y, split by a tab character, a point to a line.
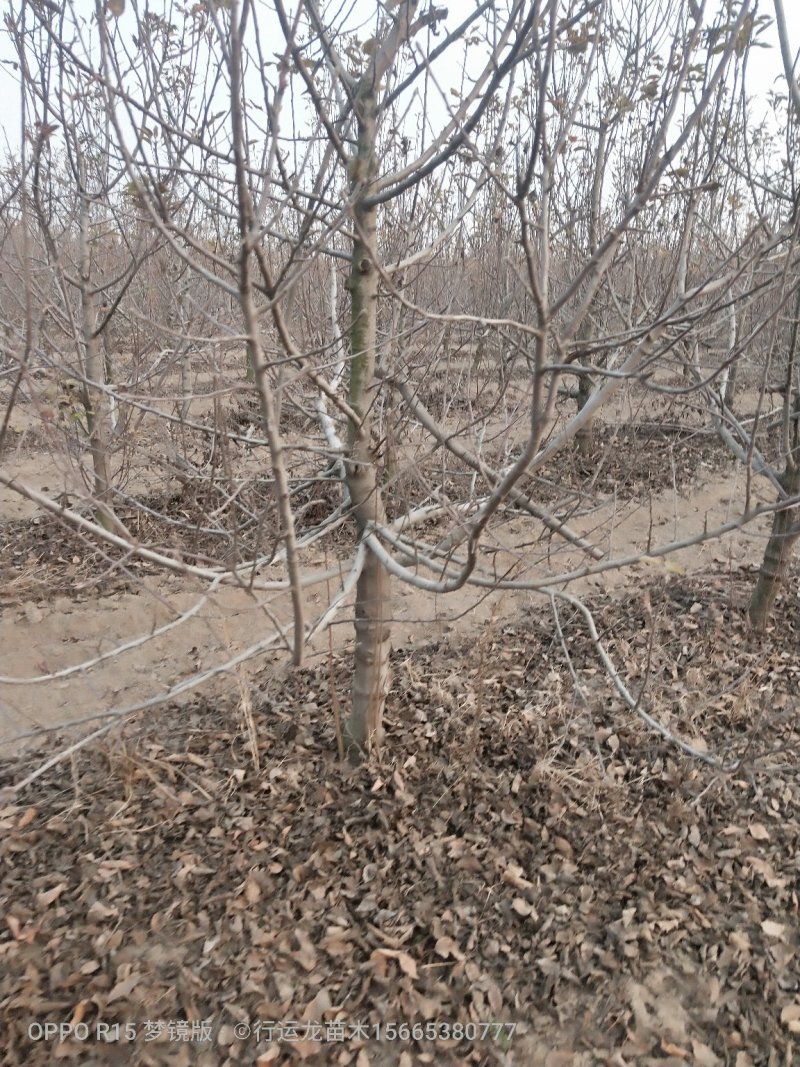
508	202
786	525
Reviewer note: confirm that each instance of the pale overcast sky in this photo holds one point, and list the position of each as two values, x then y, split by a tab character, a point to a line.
765	68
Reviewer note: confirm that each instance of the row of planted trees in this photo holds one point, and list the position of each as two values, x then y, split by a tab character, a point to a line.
352	214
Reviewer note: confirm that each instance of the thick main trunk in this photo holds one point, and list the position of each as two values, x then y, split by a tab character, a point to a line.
371	672
373	593
585	436
364	727
777	557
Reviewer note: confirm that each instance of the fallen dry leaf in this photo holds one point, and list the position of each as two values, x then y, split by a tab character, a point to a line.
44	900
774	929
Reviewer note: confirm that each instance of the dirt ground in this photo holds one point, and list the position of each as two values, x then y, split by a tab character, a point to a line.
527	873
66	603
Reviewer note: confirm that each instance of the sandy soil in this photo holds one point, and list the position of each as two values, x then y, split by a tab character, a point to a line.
42	633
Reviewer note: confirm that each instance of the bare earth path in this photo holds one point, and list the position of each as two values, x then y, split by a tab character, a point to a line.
42	631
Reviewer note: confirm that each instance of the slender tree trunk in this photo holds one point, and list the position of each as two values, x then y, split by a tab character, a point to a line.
786	523
777	557
585	437
249	238
95	396
364	726
98	420
185	403
725	387
733	381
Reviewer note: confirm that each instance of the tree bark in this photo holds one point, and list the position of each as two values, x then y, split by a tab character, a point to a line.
94	395
585	437
364	727
777	557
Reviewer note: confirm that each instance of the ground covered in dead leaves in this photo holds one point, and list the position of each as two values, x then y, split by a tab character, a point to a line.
525	861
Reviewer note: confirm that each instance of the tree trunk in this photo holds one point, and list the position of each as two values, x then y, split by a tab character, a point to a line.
364	726
94	393
777	557
585	439
585	436
730	390
98	420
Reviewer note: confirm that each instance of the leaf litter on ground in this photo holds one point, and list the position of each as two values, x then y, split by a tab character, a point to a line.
516	856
